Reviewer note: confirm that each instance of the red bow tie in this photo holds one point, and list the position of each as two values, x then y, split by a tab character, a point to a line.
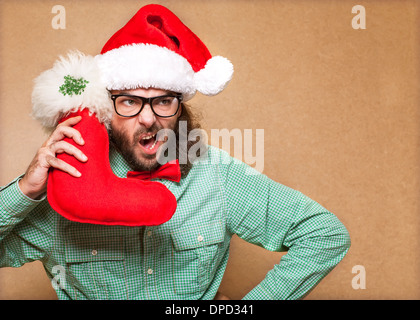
169	171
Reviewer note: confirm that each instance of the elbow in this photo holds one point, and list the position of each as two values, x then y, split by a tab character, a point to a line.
343	238
346	236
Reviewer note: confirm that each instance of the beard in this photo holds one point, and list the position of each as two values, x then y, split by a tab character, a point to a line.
120	140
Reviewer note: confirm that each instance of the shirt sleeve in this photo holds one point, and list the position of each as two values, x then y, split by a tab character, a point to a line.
16	244
275	217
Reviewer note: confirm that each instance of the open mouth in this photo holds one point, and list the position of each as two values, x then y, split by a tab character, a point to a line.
149	142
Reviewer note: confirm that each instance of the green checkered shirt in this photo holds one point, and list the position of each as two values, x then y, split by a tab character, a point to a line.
184	258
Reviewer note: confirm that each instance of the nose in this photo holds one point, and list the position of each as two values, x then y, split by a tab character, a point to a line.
146	116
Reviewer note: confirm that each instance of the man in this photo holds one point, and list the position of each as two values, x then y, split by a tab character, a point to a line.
185	257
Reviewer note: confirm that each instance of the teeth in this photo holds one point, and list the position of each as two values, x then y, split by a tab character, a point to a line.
153	145
148	137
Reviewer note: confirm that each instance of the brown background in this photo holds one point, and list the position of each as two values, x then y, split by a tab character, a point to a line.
339	108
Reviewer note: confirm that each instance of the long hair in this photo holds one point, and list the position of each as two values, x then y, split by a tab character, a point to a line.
192	120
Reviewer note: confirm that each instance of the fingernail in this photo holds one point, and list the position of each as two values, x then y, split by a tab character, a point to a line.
78	174
84	158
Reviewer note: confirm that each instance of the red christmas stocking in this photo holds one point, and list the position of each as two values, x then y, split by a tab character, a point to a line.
98	196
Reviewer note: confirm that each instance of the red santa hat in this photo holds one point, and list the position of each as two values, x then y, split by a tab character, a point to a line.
155	49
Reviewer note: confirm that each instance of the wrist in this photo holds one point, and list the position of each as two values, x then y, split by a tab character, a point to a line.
29	191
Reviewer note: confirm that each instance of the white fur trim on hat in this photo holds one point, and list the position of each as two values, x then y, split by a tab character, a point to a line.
151	66
146	66
50	104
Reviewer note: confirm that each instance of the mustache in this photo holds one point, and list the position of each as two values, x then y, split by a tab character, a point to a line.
140	131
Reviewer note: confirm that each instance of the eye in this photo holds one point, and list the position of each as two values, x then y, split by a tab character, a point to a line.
129	102
166	101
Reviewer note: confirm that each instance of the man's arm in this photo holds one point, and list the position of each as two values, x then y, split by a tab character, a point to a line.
275	217
16	249
19	199
14	207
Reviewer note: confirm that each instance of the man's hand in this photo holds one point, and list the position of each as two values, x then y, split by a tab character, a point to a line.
34	182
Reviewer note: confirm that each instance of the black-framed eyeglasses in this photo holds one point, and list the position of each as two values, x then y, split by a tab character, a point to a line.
127	105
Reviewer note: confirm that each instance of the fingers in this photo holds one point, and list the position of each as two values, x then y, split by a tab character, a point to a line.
65	129
34	182
65	147
54	162
71	121
49	153
56	145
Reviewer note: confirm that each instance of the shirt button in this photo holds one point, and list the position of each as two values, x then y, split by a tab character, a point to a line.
150	271
200	238
94	252
149	233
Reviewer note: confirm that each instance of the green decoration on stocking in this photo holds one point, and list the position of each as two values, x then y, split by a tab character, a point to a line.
73	86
